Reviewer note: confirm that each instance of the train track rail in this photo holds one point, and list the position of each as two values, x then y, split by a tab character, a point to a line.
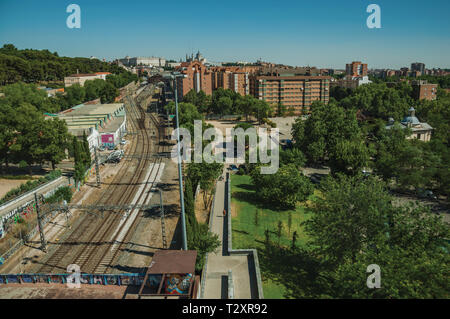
92	236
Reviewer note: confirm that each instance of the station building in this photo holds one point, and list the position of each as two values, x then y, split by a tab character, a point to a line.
103	124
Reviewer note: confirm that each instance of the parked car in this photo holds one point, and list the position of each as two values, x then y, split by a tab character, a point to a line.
426	194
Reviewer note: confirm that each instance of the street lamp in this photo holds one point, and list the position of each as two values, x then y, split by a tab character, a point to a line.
174	77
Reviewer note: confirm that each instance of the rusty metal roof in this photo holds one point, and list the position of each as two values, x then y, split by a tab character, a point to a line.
173	262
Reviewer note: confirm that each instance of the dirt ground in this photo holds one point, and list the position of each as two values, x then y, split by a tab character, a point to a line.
7	184
201	213
61	291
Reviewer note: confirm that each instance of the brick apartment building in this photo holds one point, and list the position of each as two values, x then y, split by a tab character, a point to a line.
296	92
199	77
277	85
356	69
424	90
234	78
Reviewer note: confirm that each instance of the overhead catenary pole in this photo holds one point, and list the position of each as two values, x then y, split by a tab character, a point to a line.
97	169
180	177
39	220
163	222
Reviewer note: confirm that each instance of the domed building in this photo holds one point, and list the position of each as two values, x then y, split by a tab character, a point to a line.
421	131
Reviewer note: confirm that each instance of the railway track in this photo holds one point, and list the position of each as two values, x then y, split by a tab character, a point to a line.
92	236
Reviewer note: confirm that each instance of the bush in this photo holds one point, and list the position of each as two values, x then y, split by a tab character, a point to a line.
62	193
29	185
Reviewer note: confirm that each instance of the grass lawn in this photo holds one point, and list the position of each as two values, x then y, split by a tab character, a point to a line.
248	235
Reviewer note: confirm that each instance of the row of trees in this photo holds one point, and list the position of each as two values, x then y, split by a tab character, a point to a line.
33	66
227	102
25	136
82	156
106	91
199	236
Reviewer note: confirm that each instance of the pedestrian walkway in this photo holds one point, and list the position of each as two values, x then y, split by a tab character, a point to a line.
219	262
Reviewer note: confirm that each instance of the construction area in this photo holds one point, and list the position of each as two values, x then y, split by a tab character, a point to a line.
117	220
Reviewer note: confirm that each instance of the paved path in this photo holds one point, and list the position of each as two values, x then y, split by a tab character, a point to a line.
218	264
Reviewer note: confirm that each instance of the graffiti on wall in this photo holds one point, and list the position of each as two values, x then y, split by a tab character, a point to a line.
91	279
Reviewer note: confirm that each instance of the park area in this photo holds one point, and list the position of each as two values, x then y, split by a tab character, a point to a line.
277	259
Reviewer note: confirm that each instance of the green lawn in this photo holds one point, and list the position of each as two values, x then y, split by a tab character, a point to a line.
248	235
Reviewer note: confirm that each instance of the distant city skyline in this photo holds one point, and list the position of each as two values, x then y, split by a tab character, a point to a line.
326	34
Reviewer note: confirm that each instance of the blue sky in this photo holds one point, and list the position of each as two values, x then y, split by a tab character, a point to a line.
325	33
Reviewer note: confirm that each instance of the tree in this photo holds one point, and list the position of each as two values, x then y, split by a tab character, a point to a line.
284	188
294	240
355	224
205	175
108	93
279	230
319	136
224	105
281	109
86	153
54	140
256	220
261	110
267	237
349	156
292	156
289	222
189	204
246	105
204	242
351	215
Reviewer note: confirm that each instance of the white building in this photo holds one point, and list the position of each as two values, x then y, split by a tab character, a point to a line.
419	130
148	61
103	124
83	77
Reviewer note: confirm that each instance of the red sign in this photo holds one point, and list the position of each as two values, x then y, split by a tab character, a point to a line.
108	138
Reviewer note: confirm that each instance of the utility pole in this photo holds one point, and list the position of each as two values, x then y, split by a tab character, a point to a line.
39	220
97	169
180	177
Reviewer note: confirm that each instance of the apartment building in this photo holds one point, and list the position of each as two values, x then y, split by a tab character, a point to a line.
418	67
232	77
356	69
80	78
294	92
207	79
356	75
422	90
197	77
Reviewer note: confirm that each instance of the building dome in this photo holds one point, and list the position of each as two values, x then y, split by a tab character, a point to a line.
411	119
